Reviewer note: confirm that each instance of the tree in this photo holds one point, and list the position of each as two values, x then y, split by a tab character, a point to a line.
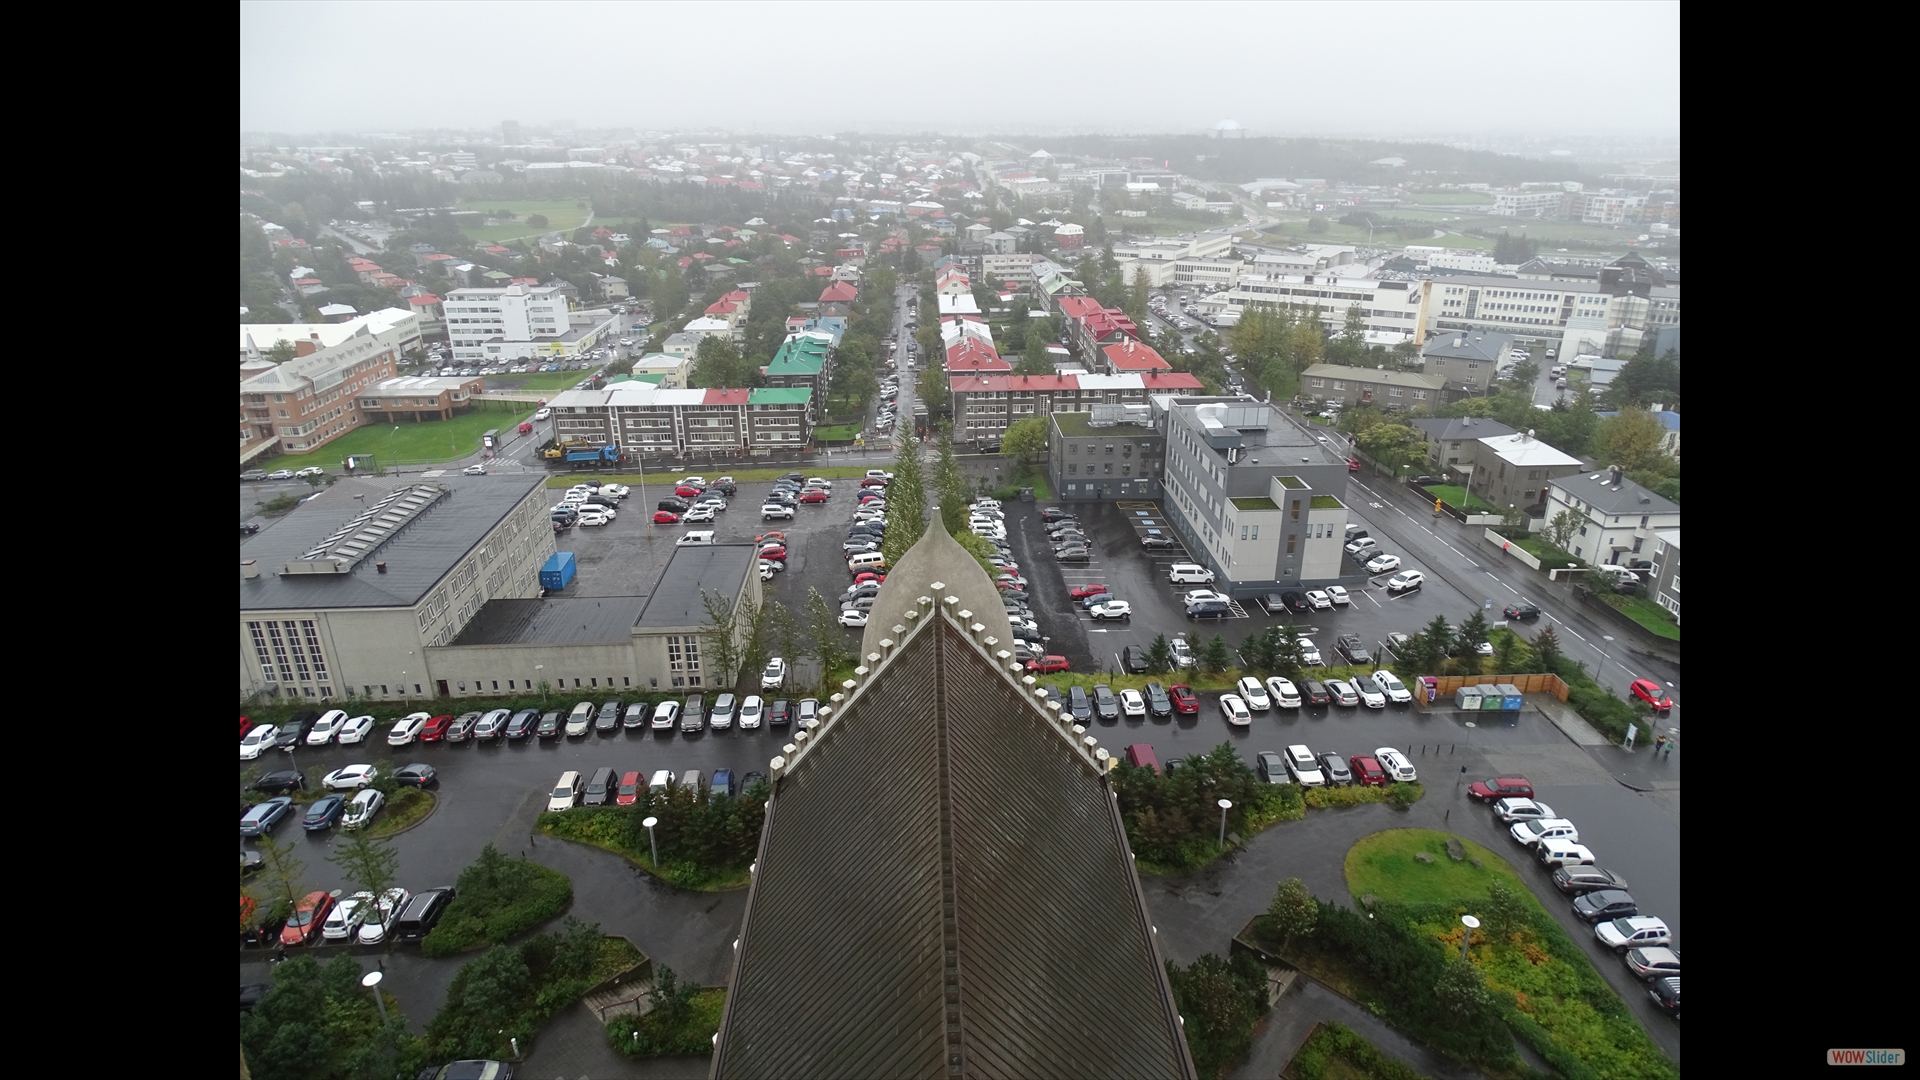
1513	250
931	386
1289	656
1317	224
717	362
721	638
538	221
369	864
1219	1002
1472	633
949	483
1024	440
1214	656
1460	989
1256	652
1159	655
1392	444
1633	440
1546	646
1526	373
906	504
281	352
829	643
1294	913
783	634
1559	531
1034	359
1351	344
1505	912
283	873
1646	379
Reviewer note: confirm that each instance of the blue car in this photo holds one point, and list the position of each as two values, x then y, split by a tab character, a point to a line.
723	784
324	814
261	819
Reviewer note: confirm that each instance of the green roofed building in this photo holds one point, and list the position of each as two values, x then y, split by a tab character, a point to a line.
779	418
803	360
977	914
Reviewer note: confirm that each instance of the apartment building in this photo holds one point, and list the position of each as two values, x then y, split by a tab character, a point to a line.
1107	452
412	399
984	404
1399	309
1466	361
1607	315
516	322
1515	470
1666	571
1619	519
396	328
1007	268
1375	386
642	418
298	406
1255	496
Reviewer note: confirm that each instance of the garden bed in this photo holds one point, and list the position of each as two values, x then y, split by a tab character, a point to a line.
1337	1052
496	899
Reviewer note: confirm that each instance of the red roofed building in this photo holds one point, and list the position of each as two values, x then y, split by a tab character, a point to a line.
1090	326
685	261
840	292
427	306
726	395
984	404
970	354
820	271
1131	357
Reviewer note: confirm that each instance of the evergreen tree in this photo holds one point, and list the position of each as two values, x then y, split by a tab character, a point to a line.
906	503
949	484
1159	656
1214	656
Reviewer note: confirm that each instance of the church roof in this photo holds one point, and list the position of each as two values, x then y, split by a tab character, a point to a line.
943	887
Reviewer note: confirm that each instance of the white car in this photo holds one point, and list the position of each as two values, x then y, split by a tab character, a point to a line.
345	919
1370	694
594	515
853	618
1255	695
775	676
1132	703
355	730
1406	580
374	930
1112	609
361	808
1361	545
1320	600
1391	686
407	729
1234	711
257	740
615	491
326	727
1485	648
1383	563
767	570
1513	810
750	712
1182	652
1203	596
311	470
697	515
814	481
1533	831
1396	764
349	778
1283	692
474	470
1309	652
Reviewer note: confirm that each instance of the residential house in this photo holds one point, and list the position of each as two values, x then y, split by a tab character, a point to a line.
1467	360
803	360
1376	386
300	405
1451	443
1618	518
838	298
1665	575
412	399
1514	471
1130	357
1107	452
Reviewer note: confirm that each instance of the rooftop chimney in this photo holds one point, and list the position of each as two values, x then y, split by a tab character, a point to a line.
249	569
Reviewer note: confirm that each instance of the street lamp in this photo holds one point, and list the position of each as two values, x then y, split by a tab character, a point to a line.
371	980
1225	805
652	840
1471	924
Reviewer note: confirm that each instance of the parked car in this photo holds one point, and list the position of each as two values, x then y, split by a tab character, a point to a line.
1132	703
1342	693
1665	992
1355	650
1255	694
361	809
1649	691
491	726
1396	764
1406	581
462	727
1185	701
1367	771
1521	610
1314	692
260	820
1656	963
1112	609
1634	932
522	724
1271	767
416	775
1319	599
1047	664
1234	711
1516	809
1296	602
1159	703
1081	592
1283	693
407	729
1544	830
307	919
281	782
1605	905
1310	653
1381	564
1391	686
1501	787
349	777
1582	879
1106	704
324	813
1334	768
1370	695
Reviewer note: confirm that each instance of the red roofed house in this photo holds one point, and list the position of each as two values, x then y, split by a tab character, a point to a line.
820	271
602	233
1131	357
1090	326
736	395
427	306
983	405
838	298
971	355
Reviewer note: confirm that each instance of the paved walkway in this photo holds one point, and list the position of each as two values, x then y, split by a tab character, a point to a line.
1308	1003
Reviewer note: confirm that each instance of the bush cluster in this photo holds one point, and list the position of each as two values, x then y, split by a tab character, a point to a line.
1221	1002
1173	820
681	1019
1337	1051
1399	796
495	899
508	992
701	841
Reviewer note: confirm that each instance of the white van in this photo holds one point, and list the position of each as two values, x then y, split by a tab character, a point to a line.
1183	572
697	536
662	780
867	560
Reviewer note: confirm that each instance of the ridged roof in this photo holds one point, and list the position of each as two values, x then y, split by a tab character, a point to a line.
943	886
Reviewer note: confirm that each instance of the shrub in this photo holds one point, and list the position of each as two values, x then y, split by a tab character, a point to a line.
1322	798
1403	796
509	992
1221	1001
495	899
1335	1050
680	1020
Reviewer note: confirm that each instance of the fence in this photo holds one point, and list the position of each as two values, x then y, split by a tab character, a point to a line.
1513	549
1537	683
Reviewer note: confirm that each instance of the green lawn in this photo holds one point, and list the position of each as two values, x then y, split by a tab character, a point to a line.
418	444
842	433
1551	558
1457	497
1451	198
1647	613
1383	865
538	380
564	215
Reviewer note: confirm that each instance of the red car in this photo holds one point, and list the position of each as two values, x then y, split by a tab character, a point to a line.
862	579
1184	699
436	729
1047	663
1367	771
1353	464
814	497
688	491
630	785
774	551
1503	787
1081	592
772	537
304	926
1649	691
665	517
246	725
873	481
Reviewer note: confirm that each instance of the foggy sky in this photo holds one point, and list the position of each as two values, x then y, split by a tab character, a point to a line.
1382	69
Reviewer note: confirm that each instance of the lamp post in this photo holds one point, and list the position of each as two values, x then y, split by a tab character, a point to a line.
1471	924
653	841
1225	805
371	980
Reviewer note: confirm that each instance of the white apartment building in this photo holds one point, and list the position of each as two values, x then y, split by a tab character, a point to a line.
997	269
516	322
1537	202
1397	308
1583	316
391	327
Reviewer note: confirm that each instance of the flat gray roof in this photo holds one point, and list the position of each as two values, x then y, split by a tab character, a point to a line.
417	556
691	571
556	620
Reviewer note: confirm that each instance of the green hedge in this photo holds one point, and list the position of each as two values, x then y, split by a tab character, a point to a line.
704	844
495	899
1398	796
1337	1052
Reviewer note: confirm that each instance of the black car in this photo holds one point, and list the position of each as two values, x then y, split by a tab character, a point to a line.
325	813
1296	602
1666	995
674	503
1584	879
747	781
778	714
1602	904
417	774
609	719
1134	659
1522	611
1271	767
1209	609
281	782
522	724
1106	704
1157	543
1423	480
549	726
1052	514
294	732
248	528
1159	704
1314	692
1079	704
1353	649
726	488
250	995
252	862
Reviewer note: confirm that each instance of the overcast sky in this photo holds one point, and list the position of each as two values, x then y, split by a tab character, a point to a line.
1382	69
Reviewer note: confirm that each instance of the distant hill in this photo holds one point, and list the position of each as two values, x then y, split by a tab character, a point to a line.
1240	160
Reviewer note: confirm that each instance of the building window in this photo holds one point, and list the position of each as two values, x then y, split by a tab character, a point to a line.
1296	510
1290	541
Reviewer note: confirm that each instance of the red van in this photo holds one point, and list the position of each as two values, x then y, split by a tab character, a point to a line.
1140	756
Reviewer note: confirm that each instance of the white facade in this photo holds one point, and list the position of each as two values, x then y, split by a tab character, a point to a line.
1614	523
390	327
1398	308
490	324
